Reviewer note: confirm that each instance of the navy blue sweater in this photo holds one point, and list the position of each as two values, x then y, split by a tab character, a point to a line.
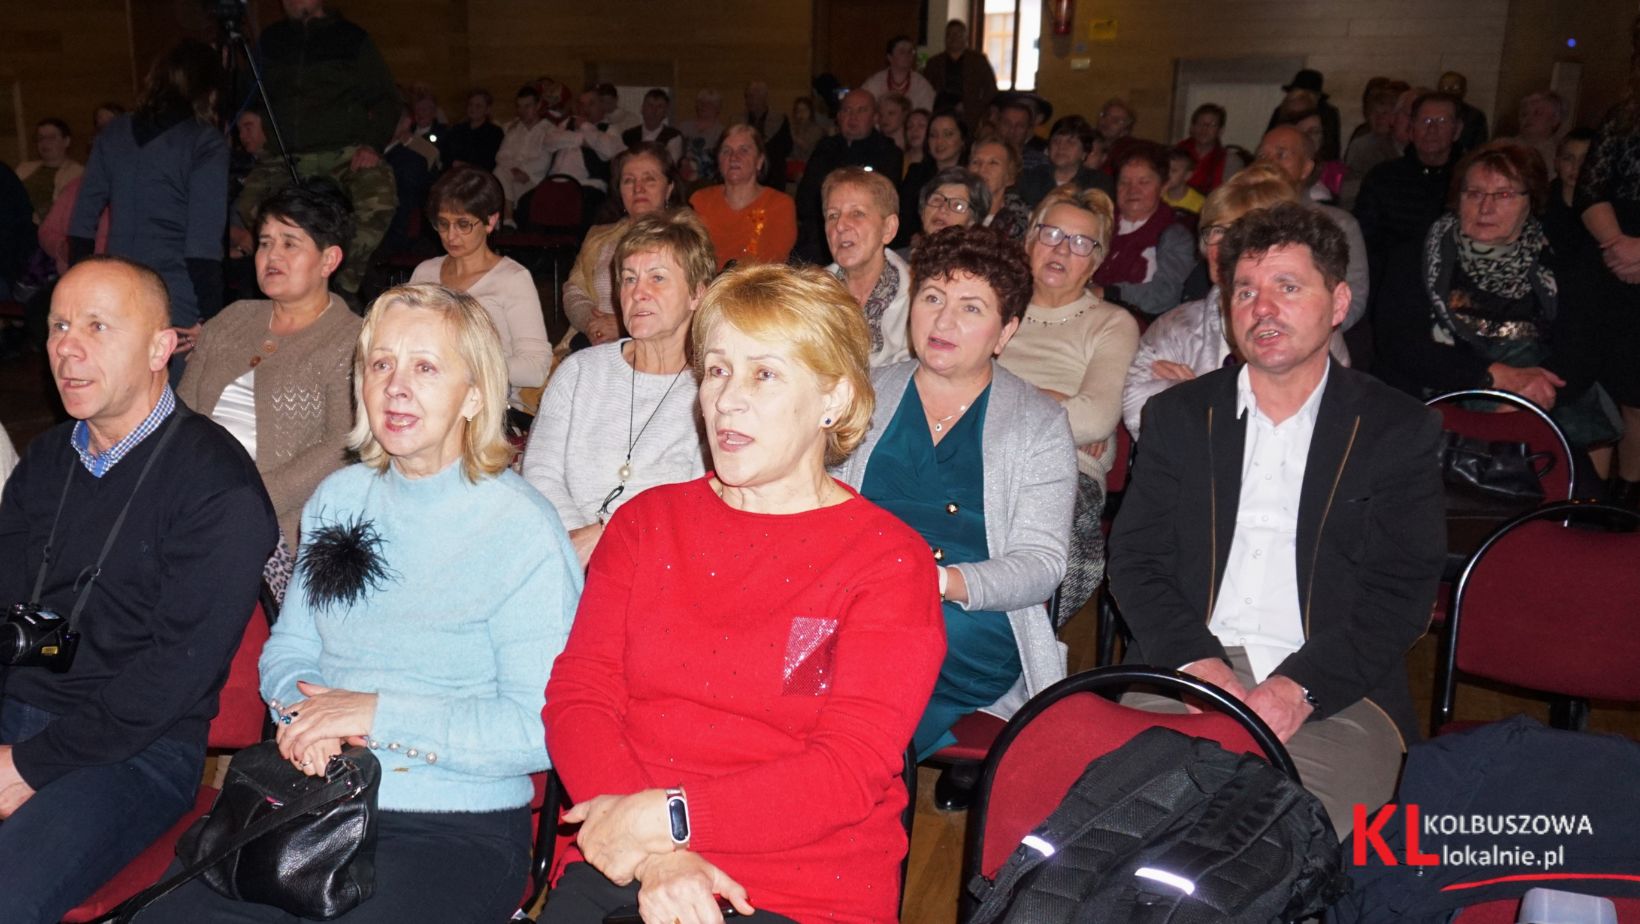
164	618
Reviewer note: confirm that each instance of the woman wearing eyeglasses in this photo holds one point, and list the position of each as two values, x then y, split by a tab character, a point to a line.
952	198
620	417
1475	302
466	205
1076	348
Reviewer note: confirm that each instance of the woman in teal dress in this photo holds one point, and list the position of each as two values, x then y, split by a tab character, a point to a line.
981	464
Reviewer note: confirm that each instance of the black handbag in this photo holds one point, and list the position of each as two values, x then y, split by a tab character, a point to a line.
1499	469
276	836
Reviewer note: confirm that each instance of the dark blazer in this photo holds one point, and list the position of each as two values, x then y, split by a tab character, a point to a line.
1371	535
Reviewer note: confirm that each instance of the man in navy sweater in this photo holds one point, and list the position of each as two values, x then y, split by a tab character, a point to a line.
98	761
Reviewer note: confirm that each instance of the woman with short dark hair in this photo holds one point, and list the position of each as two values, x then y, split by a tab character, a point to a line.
981	465
465	207
275	372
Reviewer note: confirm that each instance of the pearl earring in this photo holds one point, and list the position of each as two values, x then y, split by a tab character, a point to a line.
826	422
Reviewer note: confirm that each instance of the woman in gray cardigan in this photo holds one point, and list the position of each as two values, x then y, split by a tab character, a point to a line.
982	465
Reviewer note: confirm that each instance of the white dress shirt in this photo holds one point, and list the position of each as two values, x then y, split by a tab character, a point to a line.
1257	606
566	145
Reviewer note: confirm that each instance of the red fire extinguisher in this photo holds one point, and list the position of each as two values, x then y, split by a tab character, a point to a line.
1062	12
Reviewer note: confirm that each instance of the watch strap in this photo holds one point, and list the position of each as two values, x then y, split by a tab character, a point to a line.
677	813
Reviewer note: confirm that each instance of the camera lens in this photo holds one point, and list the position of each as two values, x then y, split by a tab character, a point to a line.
11	642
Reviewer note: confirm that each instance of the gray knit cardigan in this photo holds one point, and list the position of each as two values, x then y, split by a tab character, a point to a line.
1030	490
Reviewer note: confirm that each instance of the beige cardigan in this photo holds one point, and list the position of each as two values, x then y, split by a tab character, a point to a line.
304	395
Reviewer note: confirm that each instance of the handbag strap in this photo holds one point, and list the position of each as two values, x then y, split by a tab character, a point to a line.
346	787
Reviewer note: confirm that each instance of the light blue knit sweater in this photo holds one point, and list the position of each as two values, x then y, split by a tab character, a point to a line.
458	642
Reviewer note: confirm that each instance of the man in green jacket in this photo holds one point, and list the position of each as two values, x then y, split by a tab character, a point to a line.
336	107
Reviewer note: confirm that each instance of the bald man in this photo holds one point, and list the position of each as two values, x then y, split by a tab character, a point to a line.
158	527
857	143
1294	152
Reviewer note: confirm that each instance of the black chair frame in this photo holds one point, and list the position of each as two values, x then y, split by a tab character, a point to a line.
1565	712
1108	682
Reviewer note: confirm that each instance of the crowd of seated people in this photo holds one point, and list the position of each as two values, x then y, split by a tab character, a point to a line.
872	358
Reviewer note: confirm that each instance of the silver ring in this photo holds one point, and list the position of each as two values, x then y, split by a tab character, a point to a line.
307	763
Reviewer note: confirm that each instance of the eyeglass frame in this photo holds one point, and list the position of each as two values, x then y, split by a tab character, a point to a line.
946	203
1498	197
1038	230
464	225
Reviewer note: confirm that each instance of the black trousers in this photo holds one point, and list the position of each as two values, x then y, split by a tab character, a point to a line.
449	867
584	896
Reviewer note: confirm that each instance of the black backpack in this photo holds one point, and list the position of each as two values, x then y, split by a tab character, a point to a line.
1170	828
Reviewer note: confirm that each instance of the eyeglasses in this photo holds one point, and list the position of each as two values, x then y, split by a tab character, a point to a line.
1432	121
1081	244
1212	234
959	206
464	225
603	509
1500	197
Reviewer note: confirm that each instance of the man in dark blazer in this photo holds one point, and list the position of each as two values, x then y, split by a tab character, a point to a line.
1283	532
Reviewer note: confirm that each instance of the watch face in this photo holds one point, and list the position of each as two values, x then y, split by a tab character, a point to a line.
678	813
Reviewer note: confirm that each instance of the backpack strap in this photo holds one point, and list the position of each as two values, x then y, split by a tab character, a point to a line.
1105	815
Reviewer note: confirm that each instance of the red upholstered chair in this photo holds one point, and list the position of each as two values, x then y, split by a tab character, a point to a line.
241	721
1550	603
1046	745
553	218
1527	424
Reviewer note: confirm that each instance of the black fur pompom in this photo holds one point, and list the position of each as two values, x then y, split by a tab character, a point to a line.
341	561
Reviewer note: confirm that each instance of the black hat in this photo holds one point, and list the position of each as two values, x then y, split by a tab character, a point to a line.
1037	103
1306	80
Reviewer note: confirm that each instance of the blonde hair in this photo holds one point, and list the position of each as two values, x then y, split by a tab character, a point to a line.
809	310
1259	186
879	187
1092	201
678	232
484	449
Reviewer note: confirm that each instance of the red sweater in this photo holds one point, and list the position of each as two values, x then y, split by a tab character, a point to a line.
773	666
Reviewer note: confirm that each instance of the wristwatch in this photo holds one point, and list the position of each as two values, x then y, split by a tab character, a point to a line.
677	812
1310	698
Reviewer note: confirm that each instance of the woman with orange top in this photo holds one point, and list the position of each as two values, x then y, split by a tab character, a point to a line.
748	222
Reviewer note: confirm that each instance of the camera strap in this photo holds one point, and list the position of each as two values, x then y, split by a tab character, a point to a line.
96	570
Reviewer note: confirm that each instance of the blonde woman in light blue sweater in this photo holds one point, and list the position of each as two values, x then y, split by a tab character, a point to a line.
422	623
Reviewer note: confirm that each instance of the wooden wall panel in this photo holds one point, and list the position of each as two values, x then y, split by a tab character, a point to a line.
64	59
1349	41
721	45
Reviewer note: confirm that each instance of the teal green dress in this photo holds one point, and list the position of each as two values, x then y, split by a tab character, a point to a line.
939	491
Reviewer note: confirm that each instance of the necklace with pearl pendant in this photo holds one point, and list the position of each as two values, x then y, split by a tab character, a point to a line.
939	424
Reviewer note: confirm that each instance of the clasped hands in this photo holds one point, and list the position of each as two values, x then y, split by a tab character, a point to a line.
314	730
1279	701
628	838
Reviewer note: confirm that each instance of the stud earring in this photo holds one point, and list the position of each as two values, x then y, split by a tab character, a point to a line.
826	422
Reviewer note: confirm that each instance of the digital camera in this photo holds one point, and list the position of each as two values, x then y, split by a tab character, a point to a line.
32	636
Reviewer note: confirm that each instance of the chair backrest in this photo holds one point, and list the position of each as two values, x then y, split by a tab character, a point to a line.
1053	738
556	203
241	716
1528	424
1551	602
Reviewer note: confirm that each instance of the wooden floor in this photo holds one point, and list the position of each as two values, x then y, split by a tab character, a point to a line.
28	406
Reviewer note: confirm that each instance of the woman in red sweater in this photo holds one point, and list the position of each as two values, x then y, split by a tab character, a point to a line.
753	648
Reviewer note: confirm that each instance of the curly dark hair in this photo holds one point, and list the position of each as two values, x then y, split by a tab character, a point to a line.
1147	152
978	251
1285	223
1513	161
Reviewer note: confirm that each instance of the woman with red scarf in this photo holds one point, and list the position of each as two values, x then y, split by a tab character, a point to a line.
1204	144
1152	252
